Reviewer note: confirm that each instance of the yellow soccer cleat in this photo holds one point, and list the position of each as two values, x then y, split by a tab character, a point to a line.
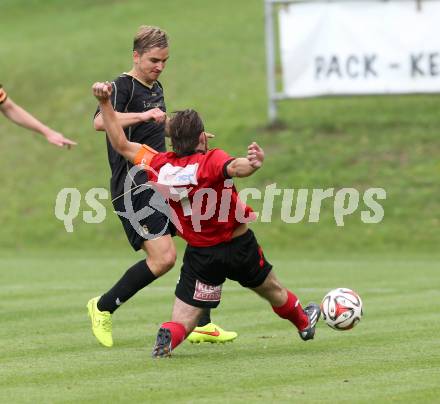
211	333
101	323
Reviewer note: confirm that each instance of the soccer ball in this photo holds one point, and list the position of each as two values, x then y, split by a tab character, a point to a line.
341	309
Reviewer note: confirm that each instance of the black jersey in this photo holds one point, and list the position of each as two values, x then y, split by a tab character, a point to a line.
130	95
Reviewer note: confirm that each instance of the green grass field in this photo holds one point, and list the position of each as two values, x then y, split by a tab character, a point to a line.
48	353
51	51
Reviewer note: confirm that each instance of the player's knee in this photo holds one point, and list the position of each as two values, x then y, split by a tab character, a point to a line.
169	259
161	256
163	262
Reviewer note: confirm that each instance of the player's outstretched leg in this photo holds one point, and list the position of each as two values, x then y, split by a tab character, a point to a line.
304	319
206	331
287	306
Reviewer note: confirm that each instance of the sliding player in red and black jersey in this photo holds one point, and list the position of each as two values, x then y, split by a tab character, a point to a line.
212	220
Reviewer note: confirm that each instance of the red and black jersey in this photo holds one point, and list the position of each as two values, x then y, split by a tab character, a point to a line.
3	94
200	193
131	95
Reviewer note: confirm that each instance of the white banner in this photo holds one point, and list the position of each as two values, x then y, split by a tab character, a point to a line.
360	47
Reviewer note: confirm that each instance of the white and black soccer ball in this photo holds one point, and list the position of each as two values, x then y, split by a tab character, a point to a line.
341	309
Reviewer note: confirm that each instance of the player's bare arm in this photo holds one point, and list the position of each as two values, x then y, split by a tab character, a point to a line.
246	166
21	117
126	119
115	133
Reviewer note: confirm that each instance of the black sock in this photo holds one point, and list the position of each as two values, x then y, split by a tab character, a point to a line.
205	318
135	279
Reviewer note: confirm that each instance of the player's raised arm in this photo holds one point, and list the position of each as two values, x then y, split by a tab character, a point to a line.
246	166
115	133
21	117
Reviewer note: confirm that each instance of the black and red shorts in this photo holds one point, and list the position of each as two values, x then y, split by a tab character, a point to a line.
205	269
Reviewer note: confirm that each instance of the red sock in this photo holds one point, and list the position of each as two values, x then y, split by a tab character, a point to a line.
293	311
178	332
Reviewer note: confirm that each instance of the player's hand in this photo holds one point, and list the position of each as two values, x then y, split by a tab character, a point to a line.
209	135
102	91
58	139
155	114
255	155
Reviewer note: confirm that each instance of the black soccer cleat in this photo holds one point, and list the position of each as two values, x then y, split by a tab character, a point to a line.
313	312
162	347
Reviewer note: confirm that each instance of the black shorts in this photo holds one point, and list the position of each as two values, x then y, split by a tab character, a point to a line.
206	268
146	219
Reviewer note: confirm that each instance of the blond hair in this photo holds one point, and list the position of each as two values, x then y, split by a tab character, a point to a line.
148	37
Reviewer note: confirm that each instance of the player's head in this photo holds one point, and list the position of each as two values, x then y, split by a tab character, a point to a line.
150	52
148	37
187	132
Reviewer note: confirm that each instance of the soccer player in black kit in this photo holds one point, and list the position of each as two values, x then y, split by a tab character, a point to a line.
137	97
